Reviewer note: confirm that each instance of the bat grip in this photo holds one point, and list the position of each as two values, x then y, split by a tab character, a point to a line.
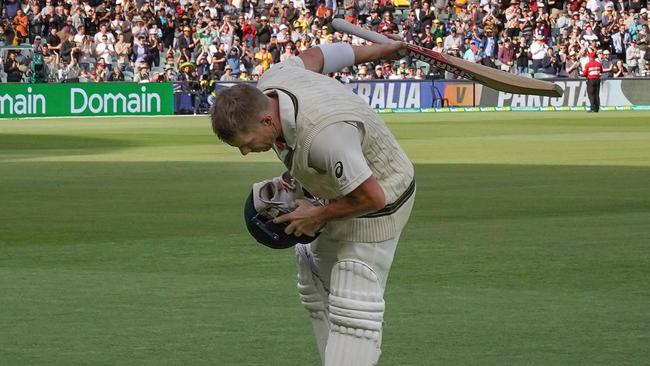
347	27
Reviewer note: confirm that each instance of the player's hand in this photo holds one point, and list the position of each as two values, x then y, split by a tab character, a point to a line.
394	50
302	221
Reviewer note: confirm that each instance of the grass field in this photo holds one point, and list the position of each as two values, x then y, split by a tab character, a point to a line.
122	243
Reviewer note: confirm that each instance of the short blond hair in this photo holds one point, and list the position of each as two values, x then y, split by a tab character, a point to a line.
236	109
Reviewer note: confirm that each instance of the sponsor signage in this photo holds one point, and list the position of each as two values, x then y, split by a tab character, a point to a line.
395	96
88	99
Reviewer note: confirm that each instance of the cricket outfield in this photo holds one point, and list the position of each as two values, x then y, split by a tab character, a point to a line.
122	242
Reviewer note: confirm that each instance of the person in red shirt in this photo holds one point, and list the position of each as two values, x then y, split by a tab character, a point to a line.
592	72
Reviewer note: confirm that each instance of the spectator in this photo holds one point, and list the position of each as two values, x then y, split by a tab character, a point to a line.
378	73
453	38
53	40
490	52
473	54
550	64
522	52
351	10
228	75
620	38
21	23
506	56
122	51
632	56
71	71
116	75
439	47
195	31
619	70
142	76
169	74
13	68
419	74
607	63
186	43
67	48
264	58
100	72
233	59
387	25
538	51
104	50
104	35
140	54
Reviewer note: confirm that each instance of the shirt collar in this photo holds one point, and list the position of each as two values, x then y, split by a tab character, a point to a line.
287	117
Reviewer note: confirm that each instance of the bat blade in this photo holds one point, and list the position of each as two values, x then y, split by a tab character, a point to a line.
493	78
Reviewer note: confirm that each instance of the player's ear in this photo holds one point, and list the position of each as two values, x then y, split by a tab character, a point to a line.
267	120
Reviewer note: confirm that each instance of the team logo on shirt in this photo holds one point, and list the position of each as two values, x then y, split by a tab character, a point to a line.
338	169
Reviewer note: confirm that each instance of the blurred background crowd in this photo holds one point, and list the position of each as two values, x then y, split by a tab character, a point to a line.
207	40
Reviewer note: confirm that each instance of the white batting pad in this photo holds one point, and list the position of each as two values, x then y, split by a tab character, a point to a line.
313	297
356	310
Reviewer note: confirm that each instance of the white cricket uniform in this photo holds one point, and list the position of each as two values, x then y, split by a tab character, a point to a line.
344	271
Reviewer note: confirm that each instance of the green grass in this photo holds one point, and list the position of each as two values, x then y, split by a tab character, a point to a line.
122	243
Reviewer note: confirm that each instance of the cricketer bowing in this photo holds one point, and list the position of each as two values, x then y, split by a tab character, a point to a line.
339	150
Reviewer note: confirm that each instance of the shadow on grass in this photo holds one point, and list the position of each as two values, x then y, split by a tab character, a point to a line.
14	146
53	202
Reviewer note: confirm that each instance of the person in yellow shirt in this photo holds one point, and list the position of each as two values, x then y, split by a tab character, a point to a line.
459	6
264	57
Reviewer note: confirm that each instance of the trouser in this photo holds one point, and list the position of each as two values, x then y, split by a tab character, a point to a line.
341	284
593	91
379	256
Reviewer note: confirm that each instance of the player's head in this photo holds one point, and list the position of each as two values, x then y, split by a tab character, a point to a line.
242	118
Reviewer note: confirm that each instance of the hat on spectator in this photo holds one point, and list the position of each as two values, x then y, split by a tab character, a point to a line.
137	19
437	21
37	37
283	26
228	67
643	11
454	46
438	40
606	52
453	29
264	18
539	37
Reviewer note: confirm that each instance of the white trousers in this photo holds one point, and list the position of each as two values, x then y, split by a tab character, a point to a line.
326	252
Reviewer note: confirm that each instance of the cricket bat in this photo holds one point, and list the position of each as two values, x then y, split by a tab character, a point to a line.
493	78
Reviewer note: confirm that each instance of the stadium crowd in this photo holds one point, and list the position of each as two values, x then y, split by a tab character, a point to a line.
206	40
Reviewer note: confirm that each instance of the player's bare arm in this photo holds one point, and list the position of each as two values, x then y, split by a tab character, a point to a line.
314	58
307	219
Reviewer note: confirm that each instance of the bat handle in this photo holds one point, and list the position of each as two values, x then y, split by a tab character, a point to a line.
343	26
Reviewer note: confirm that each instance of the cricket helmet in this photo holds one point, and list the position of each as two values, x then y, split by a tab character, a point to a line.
267	200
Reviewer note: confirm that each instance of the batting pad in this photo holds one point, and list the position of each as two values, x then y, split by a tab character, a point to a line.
356	308
313	297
